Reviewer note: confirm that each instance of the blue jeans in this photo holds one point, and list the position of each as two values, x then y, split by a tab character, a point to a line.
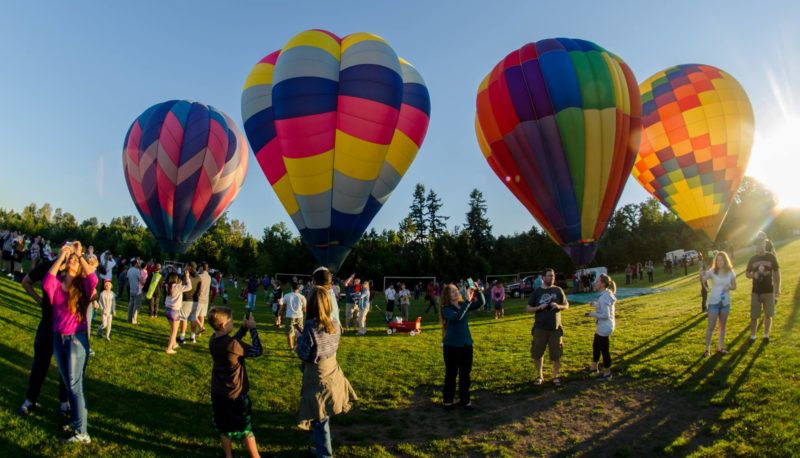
71	352
251	301
321	435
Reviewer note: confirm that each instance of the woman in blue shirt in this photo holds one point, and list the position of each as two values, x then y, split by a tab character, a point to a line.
457	341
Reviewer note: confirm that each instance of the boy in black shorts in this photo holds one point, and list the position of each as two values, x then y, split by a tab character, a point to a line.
229	384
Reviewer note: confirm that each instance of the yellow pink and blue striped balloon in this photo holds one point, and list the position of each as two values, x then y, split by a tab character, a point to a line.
334	124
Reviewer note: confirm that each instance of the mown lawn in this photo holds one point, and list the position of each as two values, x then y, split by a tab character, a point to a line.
665	399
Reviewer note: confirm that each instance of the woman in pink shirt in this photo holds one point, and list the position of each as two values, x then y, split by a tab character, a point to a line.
498	296
70	296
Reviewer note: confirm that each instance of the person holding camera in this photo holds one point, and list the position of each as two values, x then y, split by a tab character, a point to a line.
546	303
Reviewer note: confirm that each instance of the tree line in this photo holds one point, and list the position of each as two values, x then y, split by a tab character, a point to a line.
423	244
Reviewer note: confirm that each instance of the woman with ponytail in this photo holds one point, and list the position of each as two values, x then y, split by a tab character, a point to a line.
457	340
603	314
70	296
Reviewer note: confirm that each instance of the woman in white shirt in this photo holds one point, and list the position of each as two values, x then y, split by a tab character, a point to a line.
604	315
723	281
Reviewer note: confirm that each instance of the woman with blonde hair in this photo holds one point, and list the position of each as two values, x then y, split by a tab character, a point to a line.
723	281
457	341
604	315
325	391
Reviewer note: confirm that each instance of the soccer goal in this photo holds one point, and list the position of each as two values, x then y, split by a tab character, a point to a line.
409	281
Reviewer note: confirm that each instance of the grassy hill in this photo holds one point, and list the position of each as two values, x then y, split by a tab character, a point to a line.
665	399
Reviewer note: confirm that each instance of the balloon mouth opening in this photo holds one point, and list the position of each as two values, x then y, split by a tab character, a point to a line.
173	246
582	252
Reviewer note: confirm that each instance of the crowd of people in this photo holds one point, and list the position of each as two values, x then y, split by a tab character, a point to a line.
309	312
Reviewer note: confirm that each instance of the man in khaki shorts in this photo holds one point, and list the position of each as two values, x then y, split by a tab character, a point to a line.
547	302
295	305
763	268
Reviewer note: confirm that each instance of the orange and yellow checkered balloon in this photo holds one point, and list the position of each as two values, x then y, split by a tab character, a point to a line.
697	132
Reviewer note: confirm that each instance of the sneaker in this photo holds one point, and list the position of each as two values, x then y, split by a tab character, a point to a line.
171	351
603	377
181	340
26	409
194	340
202	330
766	339
108	338
78	439
91	352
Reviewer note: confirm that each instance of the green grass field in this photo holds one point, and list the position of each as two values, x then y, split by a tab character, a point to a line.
665	399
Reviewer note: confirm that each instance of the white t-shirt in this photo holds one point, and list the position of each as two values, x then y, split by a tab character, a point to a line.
390	294
109	269
204	288
405	296
720	285
294	303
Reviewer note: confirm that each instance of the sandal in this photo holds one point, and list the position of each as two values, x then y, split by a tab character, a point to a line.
557	382
538	381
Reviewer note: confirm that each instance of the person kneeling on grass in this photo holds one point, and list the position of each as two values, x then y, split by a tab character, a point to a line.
229	384
325	391
603	314
457	341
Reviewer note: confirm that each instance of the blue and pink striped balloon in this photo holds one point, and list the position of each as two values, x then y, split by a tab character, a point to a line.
184	163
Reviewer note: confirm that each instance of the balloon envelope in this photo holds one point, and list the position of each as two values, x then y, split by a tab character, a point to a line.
184	163
698	130
559	123
334	124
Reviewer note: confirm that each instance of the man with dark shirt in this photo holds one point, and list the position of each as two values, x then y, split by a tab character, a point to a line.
763	268
547	302
42	344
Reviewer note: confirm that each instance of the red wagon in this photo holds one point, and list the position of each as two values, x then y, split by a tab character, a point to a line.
411	327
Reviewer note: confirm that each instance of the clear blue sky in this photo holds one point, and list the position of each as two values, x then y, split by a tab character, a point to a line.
74	75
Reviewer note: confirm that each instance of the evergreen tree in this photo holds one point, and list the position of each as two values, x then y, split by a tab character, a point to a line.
477	225
417	215
437	223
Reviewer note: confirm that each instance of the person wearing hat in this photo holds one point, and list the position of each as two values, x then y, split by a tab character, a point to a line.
765	272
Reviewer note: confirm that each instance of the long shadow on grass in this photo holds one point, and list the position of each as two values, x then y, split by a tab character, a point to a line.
653	344
148	422
791	320
629	416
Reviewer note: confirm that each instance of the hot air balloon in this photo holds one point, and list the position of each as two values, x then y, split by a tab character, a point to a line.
559	123
184	163
334	124
698	130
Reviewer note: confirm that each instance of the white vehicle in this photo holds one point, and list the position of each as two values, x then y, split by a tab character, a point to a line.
675	256
692	256
593	272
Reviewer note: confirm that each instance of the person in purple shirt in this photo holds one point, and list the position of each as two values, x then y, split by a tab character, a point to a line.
70	296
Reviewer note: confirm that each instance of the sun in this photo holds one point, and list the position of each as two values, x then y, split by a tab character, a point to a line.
775	161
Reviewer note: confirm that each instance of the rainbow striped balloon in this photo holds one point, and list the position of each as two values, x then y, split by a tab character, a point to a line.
334	123
559	123
698	130
184	163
